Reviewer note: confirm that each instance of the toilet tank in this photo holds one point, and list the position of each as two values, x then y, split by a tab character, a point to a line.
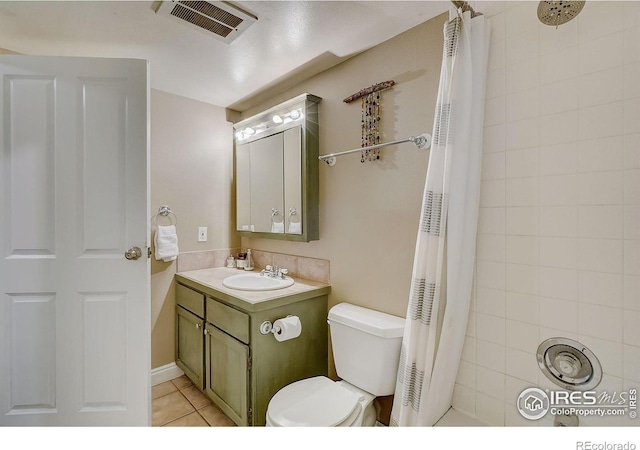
366	347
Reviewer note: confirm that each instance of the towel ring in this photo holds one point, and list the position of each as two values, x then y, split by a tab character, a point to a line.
164	210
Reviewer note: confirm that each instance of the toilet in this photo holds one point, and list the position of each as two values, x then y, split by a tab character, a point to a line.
366	350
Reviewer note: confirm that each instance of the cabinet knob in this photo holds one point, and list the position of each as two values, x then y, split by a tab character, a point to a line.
198	326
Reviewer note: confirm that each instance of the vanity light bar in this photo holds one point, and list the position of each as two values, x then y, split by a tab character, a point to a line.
276	119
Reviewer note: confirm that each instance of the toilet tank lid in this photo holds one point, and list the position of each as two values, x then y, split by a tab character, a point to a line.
364	319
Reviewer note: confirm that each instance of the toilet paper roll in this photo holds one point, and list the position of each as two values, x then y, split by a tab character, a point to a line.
287	328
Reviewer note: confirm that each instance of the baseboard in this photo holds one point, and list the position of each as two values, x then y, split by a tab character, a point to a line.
165	373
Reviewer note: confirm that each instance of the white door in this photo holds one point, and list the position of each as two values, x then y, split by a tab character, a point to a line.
74	313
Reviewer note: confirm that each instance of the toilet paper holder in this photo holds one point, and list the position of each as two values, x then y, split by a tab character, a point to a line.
267	327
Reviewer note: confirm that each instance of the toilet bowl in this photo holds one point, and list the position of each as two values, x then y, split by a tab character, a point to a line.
366	347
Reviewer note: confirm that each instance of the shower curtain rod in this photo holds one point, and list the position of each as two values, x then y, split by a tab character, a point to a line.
421	141
465	7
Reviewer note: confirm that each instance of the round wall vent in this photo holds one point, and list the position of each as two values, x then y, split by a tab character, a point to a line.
569	364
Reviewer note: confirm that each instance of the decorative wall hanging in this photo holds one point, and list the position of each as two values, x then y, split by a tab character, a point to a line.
370	122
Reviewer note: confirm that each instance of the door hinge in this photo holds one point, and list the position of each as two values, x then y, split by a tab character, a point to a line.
248	363
250	416
148	252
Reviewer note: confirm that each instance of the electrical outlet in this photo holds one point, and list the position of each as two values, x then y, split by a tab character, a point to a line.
202	234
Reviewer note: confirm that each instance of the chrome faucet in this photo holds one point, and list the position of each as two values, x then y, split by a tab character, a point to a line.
274	272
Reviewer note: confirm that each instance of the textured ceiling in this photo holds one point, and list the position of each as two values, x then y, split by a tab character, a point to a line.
290	39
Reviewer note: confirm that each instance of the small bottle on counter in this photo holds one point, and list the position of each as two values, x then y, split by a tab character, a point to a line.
241	261
231	262
249	261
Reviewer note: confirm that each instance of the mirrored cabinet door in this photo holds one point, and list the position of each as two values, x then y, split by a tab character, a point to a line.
276	171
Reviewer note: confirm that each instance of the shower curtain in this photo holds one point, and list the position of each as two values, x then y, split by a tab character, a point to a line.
445	249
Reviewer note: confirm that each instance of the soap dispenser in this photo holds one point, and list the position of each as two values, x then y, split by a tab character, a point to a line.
249	261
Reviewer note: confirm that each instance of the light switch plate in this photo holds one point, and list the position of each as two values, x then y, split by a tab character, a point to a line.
202	234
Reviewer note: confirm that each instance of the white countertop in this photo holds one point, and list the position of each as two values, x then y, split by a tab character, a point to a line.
213	278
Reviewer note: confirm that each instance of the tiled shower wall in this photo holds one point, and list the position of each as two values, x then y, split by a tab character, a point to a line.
558	249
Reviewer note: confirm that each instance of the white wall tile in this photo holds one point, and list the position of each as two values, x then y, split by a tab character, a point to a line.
601	54
522	278
522	46
631	356
522	336
496	55
553	39
490	409
561	221
559	252
523	307
522	163
490	328
631	328
559	190
631	76
495	83
491	301
601	222
559	159
631	14
466	374
632	151
631	222
491	355
522	220
601	121
632	257
632	187
601	188
597	155
559	96
631	113
599	19
522	365
493	139
522	191
523	105
559	315
559	65
492	193
559	128
514	387
490	274
491	220
559	283
490	247
522	250
631	292
592	89
469	350
631	45
523	133
493	166
464	399
600	255
599	288
600	321
523	75
490	382
494	111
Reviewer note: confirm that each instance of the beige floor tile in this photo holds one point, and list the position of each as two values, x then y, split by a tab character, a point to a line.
190	420
162	389
169	408
182	382
197	398
215	417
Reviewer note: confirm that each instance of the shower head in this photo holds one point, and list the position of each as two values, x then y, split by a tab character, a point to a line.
558	12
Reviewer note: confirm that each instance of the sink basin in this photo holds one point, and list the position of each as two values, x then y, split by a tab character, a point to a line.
256	282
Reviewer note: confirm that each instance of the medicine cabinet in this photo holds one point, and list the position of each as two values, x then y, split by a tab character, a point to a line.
276	171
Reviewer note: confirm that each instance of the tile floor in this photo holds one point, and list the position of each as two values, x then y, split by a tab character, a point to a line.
178	403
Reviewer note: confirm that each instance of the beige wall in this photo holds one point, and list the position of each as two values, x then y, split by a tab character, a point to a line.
369	212
559	232
192	172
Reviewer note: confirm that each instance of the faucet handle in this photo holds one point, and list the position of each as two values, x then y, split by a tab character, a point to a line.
284	272
269	268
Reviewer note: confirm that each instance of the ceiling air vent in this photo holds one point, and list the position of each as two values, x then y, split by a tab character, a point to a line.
221	20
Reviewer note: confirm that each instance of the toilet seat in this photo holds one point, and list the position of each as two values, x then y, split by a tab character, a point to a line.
317	401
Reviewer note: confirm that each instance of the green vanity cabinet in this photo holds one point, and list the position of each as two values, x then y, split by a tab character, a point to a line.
244	368
189	334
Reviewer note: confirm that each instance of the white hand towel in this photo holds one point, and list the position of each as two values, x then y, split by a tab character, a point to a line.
295	227
166	241
277	227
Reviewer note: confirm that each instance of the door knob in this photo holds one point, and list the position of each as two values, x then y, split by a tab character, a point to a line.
133	253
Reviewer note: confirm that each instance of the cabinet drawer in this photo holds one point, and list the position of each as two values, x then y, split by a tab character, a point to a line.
190	299
229	320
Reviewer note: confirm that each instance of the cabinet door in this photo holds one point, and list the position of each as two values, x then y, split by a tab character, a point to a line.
227	374
190	345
